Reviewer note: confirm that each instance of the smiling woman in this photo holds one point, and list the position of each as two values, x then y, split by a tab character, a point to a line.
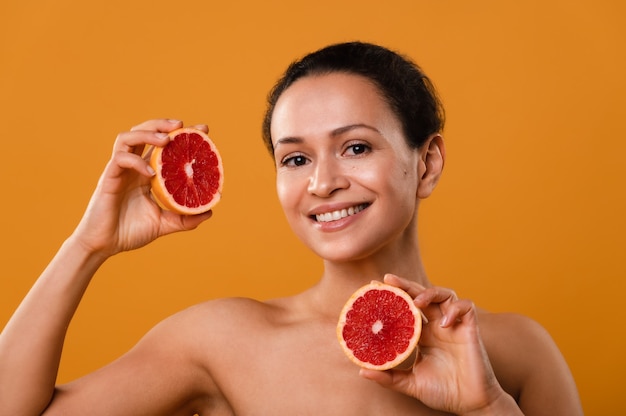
352	154
358	145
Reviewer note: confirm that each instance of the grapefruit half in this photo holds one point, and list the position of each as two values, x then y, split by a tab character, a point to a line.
379	326
189	173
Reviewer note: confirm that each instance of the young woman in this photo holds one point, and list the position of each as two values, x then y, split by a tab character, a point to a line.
355	132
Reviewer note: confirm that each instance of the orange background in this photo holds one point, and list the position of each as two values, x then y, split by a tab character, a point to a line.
529	216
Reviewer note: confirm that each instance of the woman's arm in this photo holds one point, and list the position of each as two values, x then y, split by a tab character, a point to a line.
120	216
31	342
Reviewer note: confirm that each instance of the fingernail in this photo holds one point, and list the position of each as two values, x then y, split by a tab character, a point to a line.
161	135
419	299
424	318
150	170
173	121
391	276
444	321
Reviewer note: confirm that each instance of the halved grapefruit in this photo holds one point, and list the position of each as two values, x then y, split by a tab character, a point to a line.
379	326
189	173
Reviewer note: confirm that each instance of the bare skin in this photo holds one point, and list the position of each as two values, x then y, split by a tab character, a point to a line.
337	145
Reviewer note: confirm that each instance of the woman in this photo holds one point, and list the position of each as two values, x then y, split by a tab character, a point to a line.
355	132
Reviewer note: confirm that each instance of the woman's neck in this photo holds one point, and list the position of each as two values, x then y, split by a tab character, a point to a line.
340	279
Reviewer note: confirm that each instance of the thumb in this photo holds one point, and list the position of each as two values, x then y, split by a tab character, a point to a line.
397	380
173	222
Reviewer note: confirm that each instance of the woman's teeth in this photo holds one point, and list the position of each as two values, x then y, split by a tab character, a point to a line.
339	214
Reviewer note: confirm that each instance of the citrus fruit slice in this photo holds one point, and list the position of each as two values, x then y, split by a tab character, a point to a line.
379	326
189	172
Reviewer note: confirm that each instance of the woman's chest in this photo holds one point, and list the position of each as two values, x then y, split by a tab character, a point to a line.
303	371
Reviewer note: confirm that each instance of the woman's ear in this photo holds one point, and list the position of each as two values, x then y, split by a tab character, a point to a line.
430	166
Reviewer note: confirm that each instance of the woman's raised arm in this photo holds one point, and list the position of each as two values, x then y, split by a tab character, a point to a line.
120	216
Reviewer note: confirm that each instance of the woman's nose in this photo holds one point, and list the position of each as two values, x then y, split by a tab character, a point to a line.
326	178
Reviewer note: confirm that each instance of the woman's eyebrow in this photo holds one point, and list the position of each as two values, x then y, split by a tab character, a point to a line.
339	131
288	140
336	132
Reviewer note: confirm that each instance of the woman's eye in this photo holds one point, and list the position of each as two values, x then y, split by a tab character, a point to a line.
295	161
358	149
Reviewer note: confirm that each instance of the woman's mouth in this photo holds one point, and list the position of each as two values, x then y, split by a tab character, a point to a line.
340	213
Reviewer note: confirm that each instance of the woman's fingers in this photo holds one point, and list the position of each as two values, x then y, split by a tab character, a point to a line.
140	141
142	137
421	295
397	380
450	309
164	125
410	287
136	141
191	222
125	160
151	132
201	127
456	312
435	295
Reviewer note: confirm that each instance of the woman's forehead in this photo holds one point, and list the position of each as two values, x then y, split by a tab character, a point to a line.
328	102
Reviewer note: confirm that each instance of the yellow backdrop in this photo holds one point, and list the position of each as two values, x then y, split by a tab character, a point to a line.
529	216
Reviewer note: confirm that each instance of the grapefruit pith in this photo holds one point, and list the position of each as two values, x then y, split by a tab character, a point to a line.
379	326
189	173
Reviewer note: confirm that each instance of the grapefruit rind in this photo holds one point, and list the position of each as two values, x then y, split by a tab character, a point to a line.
402	357
158	189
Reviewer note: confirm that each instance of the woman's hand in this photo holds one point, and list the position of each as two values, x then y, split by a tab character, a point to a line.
121	214
452	371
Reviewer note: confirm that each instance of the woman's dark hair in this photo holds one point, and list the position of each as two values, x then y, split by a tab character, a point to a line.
409	92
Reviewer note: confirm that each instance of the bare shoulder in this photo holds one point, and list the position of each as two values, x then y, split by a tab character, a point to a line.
529	364
516	345
513	335
204	322
224	324
225	312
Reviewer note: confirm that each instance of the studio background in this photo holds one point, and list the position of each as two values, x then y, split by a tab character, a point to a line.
528	218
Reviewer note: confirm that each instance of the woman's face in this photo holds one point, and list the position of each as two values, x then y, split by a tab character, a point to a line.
346	178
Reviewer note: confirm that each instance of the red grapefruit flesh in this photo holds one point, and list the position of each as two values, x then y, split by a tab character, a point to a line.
379	326
189	173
